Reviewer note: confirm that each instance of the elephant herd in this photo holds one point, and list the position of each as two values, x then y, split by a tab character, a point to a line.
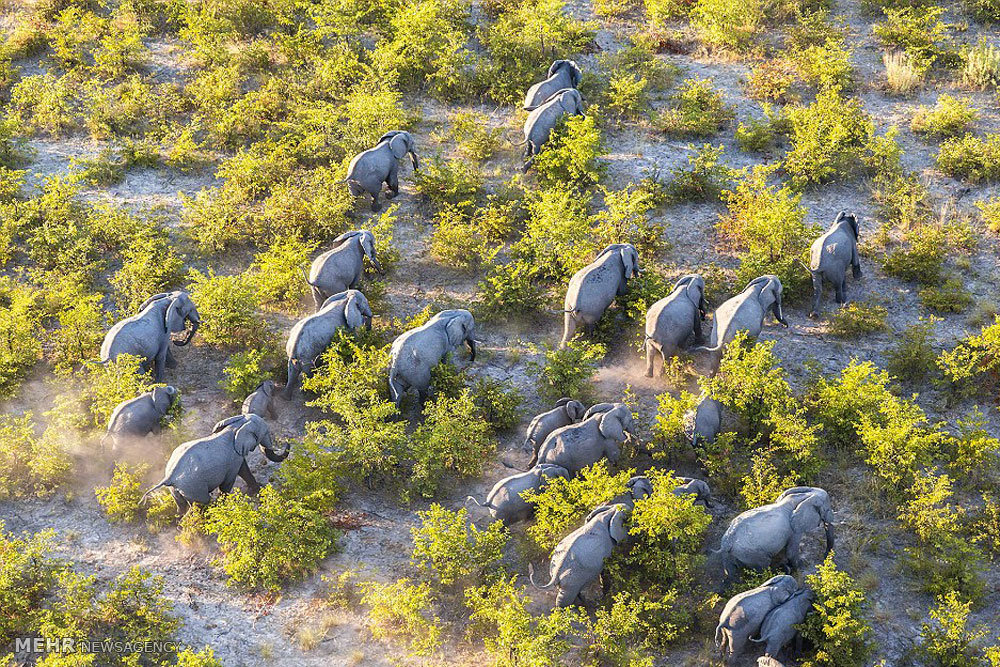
563	440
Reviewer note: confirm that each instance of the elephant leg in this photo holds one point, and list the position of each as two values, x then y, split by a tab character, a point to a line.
317	295
392	180
179	500
569	329
605	583
841	299
171	361
792	552
649	357
817	293
156	428
376	207
159	362
567	597
396	390
293	378
252	484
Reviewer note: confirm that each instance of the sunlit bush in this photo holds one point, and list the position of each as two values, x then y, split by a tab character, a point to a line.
448	548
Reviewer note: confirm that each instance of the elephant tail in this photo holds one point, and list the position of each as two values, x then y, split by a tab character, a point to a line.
161	483
306	276
805	266
472	499
531	578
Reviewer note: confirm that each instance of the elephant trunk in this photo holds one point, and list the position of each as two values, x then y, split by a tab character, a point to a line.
268	448
413	160
472	348
829	537
778	315
701	308
195	323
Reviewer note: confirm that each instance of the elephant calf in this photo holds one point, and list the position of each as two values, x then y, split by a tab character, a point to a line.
694	487
702	424
831	254
139	416
261	401
562	74
578	559
577	446
369	169
674	318
415	352
744	614
566	412
340	268
779	627
594	287
505	501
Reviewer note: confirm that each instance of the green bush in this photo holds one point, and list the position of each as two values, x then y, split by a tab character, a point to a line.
903	201
20	346
948	640
839	631
828	138
149	266
448	548
268	541
858	318
913	358
567	371
703	179
314	473
402	609
498	403
989	210
896	442
669	423
974	364
843	402
921	258
572	153
981	66
949	296
727	25
972	454
762	135
949	117
120	499
29	465
277	274
697	110
108	384
245	371
228	309
626	96
450	183
970	158
79	334
508	289
918	32
472	134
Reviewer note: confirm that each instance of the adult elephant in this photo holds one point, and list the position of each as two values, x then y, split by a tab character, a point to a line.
148	333
505	500
831	254
138	417
543	119
199	467
744	613
562	74
757	536
594	287
311	335
260	401
577	446
566	412
340	268
415	352
369	169
578	559
744	312
674	318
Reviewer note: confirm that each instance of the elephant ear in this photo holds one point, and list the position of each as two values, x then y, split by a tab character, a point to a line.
456	331
563	401
611	426
343	238
162	397
616	526
840	216
247	437
806	515
575	410
628	260
153	298
352	313
695	291
398	145
554	67
228	422
574	73
174	318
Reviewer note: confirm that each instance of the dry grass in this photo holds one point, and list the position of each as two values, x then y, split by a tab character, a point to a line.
901	76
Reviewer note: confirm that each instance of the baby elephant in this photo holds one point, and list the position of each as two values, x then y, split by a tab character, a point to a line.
261	401
745	613
594	287
562	74
673	319
566	412
139	416
577	446
779	627
579	558
375	166
505	502
702	424
340	268
695	487
831	254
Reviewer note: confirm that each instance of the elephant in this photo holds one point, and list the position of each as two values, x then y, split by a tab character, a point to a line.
311	335
566	412
779	627
702	424
672	319
505	502
592	289
744	614
830	256
415	352
147	334
260	401
138	417
696	487
341	267
579	557
369	169
744	312
198	467
577	446
562	74
543	119
757	536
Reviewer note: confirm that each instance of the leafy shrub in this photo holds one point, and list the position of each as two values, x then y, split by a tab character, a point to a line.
919	33
975	362
703	179
498	403
827	137
449	548
913	357
762	134
842	403
455	183
970	158
896	442
228	309
903	201
567	371
245	371
108	384
572	153
981	66
949	296
558	239
20	347
662	11
80	332
277	273
266	542
949	117
770	80
838	630
402	609
29	465
43	104
669	423
508	289
948	640
626	96
120	499
921	258
990	212
149	266
473	137
972	453
726	25
697	110
826	65
855	319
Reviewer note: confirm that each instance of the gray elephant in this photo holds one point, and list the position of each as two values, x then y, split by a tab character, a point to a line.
757	536
702	424
674	318
415	352
369	169
594	287
311	335
148	333
199	467
566	412
695	487
578	559
636	488
562	74
831	254
505	502
138	417
744	312
779	627
340	268
577	446
745	613
543	119
261	401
